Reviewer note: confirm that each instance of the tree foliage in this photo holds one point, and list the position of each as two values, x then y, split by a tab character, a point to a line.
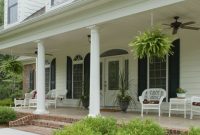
10	75
1	12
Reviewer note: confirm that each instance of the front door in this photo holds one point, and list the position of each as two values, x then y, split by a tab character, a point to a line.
113	66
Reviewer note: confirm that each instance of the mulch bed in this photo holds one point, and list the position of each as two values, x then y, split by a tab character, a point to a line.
3	126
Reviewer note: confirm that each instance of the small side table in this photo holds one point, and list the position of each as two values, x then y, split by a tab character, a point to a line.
178	102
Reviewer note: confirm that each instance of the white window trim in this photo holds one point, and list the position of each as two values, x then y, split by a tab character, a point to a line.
53	7
167	76
8	14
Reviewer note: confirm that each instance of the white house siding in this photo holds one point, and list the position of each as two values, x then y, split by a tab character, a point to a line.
28	7
190	62
73	50
25	9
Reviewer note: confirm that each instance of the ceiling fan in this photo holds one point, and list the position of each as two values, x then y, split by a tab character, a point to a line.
177	25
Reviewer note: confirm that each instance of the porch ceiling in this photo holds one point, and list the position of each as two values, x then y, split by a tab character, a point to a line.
119	31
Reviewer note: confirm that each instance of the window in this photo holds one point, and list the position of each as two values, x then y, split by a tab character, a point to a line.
77	76
58	2
113	75
47	79
114	52
12	11
158	73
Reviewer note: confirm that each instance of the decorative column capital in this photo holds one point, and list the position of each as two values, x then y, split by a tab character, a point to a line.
91	27
39	41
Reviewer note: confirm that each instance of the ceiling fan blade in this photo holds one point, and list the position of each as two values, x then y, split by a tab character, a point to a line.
190	28
174	31
188	23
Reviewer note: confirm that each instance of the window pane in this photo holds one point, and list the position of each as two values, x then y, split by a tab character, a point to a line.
12	2
77	80
113	75
157	73
47	79
12	14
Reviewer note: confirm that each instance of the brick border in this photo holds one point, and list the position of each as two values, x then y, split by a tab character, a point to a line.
28	120
29	117
22	121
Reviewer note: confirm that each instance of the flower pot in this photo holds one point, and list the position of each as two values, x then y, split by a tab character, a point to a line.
85	103
124	105
181	95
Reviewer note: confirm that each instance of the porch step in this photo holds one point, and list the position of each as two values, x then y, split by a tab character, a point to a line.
57	118
49	123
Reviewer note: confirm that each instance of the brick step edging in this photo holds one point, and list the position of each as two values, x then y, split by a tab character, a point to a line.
22	121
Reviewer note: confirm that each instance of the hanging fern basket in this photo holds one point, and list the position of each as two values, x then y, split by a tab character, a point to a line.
152	43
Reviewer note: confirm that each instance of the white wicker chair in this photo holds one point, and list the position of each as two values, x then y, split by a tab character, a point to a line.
195	105
27	97
152	99
51	98
31	99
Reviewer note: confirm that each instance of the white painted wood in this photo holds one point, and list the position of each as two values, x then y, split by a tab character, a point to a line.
61	74
104	14
189	62
41	80
25	9
94	107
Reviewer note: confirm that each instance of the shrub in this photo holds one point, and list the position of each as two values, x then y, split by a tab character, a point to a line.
108	126
102	126
139	127
91	126
75	129
7	114
194	131
6	102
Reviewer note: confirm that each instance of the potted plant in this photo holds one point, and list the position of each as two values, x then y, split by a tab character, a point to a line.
151	43
85	101
181	93
123	97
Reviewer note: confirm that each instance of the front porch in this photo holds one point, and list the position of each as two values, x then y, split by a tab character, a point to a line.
176	121
64	45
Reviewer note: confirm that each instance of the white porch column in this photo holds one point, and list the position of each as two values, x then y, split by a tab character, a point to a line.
94	107
36	71
40	79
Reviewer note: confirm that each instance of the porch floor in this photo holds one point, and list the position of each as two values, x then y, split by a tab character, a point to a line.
175	121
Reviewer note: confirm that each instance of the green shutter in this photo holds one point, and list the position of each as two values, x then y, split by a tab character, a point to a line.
174	69
87	73
53	74
142	75
69	77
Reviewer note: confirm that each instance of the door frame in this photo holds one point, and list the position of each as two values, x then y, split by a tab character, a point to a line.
104	61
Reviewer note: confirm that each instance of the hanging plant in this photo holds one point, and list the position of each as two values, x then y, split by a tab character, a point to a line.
152	43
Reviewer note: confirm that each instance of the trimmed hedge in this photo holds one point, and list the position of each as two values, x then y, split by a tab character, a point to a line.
6	102
139	127
7	114
108	126
194	131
